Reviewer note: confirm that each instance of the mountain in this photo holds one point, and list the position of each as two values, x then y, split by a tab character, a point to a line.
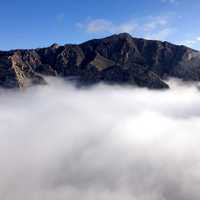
118	59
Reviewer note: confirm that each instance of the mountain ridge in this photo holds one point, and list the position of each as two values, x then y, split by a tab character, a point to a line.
117	59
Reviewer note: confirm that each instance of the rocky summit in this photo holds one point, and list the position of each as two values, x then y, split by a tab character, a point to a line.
118	59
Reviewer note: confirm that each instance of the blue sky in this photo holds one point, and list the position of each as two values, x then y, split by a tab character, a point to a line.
39	23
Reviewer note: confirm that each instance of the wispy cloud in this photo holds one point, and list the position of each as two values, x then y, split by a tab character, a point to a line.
169	1
191	42
157	27
60	17
105	26
162	34
155	22
99	25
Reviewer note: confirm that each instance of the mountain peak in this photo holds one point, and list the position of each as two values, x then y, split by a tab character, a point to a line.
125	35
55	46
118	59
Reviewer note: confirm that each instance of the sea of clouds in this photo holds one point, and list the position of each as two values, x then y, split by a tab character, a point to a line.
61	142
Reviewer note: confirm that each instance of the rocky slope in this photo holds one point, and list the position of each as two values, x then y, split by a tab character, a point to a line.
118	59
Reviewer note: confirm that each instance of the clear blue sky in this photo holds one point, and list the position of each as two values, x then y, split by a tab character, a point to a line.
38	23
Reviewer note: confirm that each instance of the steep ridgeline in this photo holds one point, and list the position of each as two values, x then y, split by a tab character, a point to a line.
118	59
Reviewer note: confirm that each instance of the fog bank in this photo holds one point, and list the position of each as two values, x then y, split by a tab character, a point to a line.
104	143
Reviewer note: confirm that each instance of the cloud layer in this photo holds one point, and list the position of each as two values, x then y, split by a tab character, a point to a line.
106	142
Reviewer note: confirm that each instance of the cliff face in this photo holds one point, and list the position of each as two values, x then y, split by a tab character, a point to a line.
118	59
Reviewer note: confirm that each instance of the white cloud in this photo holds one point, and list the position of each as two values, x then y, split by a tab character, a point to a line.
128	27
99	25
158	28
155	22
160	35
169	1
106	142
106	26
191	42
152	27
60	17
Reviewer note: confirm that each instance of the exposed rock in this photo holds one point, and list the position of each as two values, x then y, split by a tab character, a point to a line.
118	59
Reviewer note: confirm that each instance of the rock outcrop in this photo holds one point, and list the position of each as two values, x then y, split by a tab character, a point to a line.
118	59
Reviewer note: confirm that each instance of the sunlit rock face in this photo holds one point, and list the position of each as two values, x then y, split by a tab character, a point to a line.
118	59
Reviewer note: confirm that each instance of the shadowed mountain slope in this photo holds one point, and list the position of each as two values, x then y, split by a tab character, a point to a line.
118	59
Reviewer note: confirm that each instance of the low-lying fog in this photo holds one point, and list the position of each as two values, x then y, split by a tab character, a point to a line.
58	142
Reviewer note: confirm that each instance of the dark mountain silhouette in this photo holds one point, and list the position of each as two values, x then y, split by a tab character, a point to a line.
118	59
